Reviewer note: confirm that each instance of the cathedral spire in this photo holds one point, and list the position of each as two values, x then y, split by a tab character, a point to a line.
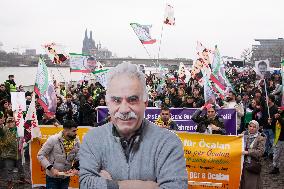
86	35
91	35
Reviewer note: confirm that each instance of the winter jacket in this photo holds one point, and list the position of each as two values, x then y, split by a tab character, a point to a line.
52	153
203	121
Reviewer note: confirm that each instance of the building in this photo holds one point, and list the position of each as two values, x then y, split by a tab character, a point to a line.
91	48
30	52
271	49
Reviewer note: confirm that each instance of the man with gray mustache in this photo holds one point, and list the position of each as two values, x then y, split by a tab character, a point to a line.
130	152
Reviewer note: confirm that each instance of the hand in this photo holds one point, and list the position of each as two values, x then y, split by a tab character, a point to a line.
105	174
269	121
56	124
245	152
137	184
72	172
54	172
214	127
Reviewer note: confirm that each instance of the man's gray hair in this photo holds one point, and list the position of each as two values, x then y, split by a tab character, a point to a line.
132	71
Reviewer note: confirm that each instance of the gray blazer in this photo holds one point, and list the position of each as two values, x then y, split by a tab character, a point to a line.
52	153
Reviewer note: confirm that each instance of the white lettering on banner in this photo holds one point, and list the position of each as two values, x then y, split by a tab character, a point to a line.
152	116
204	144
177	117
227	116
186	127
186	116
218	176
188	143
194	175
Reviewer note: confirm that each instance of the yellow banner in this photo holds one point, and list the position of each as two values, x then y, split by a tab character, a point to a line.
213	160
37	171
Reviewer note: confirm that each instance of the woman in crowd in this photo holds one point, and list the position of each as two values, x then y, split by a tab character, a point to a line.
209	123
254	150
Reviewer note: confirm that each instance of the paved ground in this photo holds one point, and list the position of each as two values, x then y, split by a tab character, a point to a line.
269	181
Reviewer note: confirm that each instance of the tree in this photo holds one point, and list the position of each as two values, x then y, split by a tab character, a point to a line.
247	56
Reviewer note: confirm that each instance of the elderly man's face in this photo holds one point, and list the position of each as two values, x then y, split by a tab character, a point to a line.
125	104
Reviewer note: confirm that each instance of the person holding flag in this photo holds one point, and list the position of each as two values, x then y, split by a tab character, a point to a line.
278	141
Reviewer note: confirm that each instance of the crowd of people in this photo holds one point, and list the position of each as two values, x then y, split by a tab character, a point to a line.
127	97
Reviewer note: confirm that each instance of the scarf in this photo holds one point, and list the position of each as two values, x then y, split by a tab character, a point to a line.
68	144
249	142
160	122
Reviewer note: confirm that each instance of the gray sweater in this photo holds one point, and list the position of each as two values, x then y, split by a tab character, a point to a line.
159	157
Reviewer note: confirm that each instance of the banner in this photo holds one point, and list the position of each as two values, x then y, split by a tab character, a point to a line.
213	161
37	171
182	117
80	63
55	52
18	101
262	67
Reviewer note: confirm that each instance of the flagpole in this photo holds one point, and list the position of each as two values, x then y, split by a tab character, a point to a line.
266	97
161	36
146	50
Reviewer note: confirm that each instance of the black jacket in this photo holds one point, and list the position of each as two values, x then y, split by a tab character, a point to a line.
203	121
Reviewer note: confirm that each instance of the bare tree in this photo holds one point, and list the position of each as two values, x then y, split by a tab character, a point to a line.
247	56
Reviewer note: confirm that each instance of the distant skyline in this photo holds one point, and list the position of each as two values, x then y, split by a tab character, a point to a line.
232	25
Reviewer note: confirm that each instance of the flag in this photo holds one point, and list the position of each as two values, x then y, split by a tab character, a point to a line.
169	15
277	132
19	120
31	122
45	89
183	73
201	69
143	33
56	53
78	63
217	81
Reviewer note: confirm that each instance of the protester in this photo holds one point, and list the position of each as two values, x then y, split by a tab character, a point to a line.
209	123
269	129
10	84
254	149
127	100
4	95
278	144
60	154
232	103
165	120
9	152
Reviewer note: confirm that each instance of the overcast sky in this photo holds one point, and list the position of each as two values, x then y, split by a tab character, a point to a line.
232	25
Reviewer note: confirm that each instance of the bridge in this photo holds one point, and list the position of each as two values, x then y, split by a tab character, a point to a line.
147	62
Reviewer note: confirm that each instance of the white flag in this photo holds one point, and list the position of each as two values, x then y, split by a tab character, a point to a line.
31	115
169	15
20	122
